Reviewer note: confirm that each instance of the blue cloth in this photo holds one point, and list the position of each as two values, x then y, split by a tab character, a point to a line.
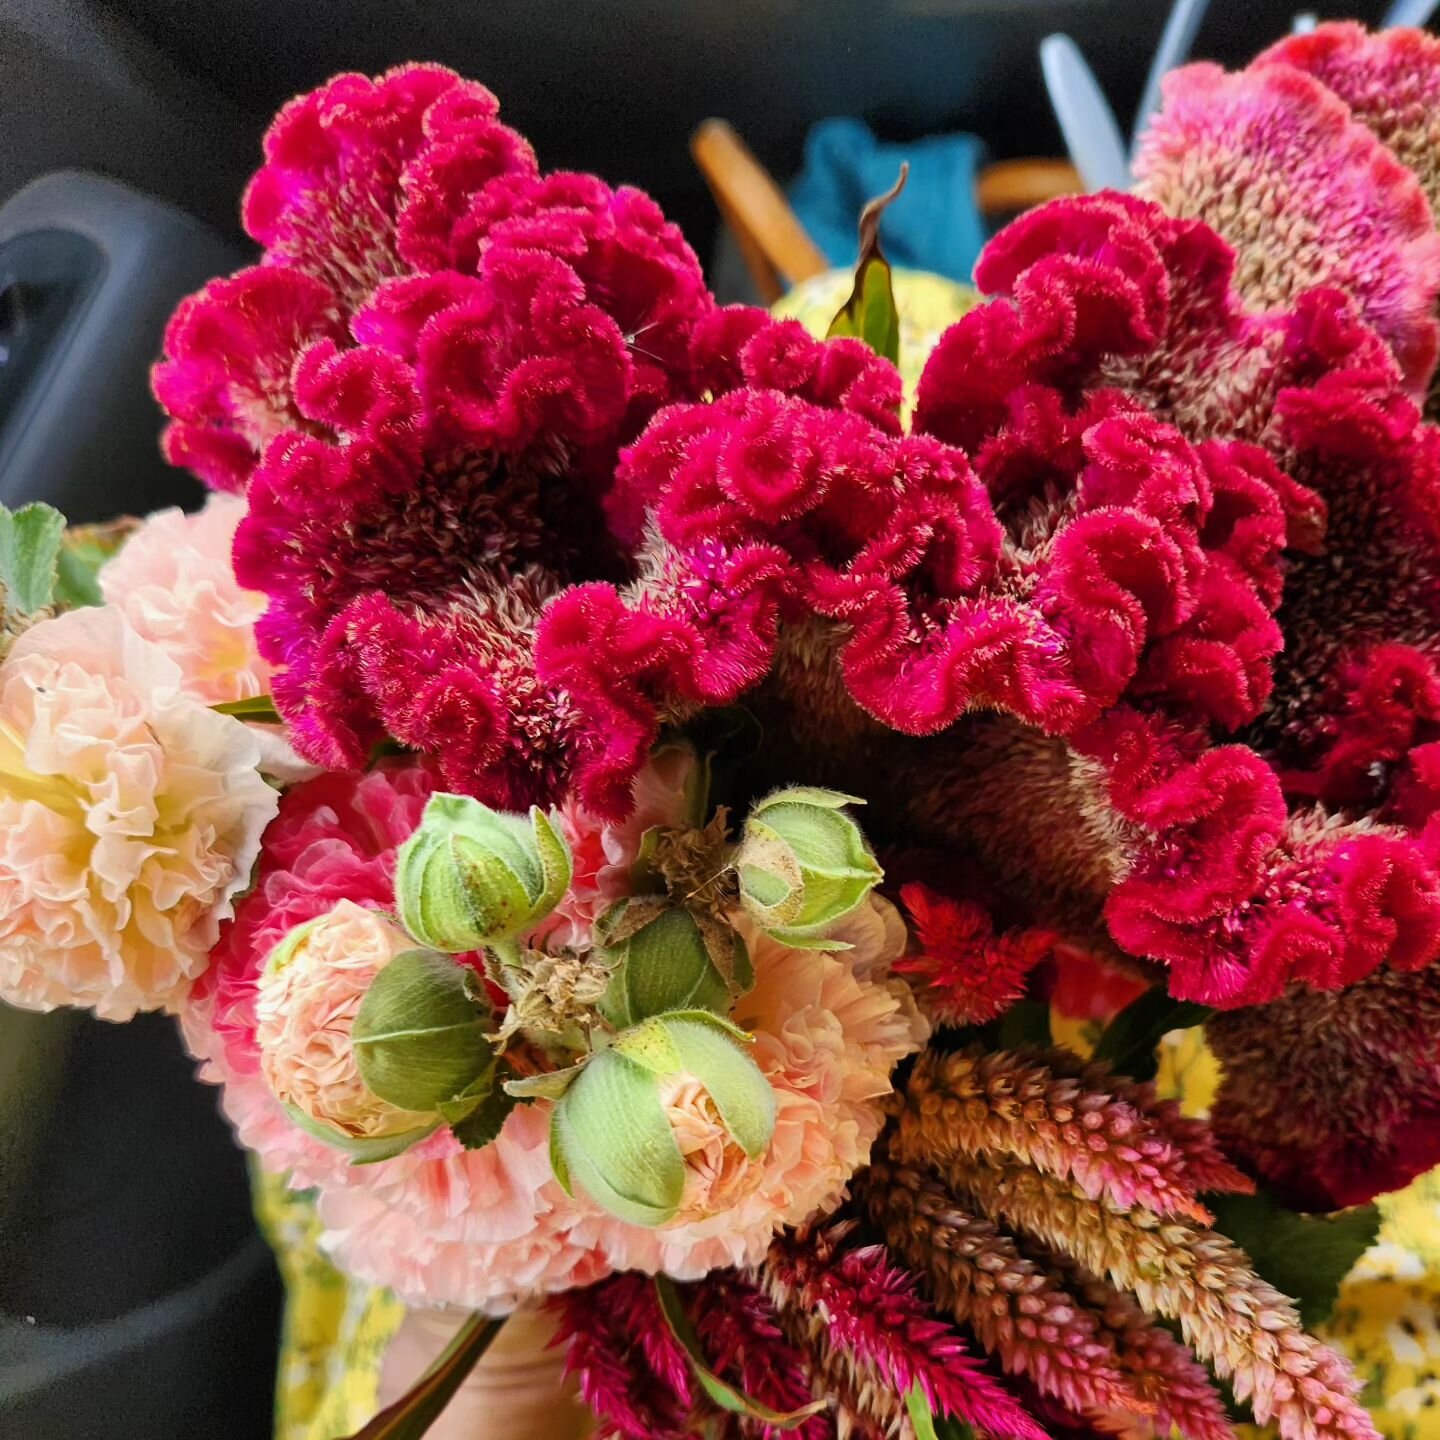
934	225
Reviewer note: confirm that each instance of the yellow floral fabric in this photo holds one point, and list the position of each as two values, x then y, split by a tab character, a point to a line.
1387	1318
335	1330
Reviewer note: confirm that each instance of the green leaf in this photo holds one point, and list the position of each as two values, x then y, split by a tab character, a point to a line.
1131	1038
29	553
362	1151
616	1142
1027	1022
721	1392
927	1425
554	860
420	1035
260	708
1303	1256
77	567
477	1129
741	1093
412	1415
870	313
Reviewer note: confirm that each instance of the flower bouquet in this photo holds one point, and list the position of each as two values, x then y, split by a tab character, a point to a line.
613	790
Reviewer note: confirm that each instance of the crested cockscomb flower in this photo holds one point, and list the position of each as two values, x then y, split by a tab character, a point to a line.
964	973
1243	151
871	1338
422	389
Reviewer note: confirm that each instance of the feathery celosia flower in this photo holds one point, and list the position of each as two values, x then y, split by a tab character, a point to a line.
636	1378
1334	1098
1232	1318
871	1338
305	1007
631	1371
965	974
423	388
131	815
174	581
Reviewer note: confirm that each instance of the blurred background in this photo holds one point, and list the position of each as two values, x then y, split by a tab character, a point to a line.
136	1299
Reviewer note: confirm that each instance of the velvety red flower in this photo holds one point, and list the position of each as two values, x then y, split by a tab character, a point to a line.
424	386
966	974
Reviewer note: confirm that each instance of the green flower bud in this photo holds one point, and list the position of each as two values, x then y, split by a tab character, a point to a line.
803	864
610	1132
419	1038
665	960
471	876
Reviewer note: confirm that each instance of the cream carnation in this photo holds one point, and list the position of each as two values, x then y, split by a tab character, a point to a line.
130	815
176	584
308	998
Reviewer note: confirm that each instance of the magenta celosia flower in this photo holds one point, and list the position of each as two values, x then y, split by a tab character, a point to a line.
872	1338
423	387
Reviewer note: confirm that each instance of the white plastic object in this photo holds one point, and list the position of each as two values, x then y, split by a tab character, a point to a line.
1092	134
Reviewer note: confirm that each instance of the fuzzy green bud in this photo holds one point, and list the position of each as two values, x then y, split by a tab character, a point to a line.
803	865
663	959
610	1134
471	876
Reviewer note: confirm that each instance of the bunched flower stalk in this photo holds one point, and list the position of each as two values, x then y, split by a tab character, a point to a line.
1234	1319
871	1338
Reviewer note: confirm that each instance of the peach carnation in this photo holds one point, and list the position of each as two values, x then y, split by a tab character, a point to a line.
176	584
130	815
309	995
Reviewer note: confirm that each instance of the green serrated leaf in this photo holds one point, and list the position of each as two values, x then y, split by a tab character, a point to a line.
870	314
720	1391
362	1151
483	1123
259	708
1303	1256
420	1037
29	553
412	1415
1130	1040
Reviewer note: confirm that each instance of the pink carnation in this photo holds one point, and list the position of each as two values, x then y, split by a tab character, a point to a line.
176	585
130	815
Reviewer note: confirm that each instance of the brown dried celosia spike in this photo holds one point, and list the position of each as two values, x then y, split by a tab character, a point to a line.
1016	1311
1245	1328
1010	1103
